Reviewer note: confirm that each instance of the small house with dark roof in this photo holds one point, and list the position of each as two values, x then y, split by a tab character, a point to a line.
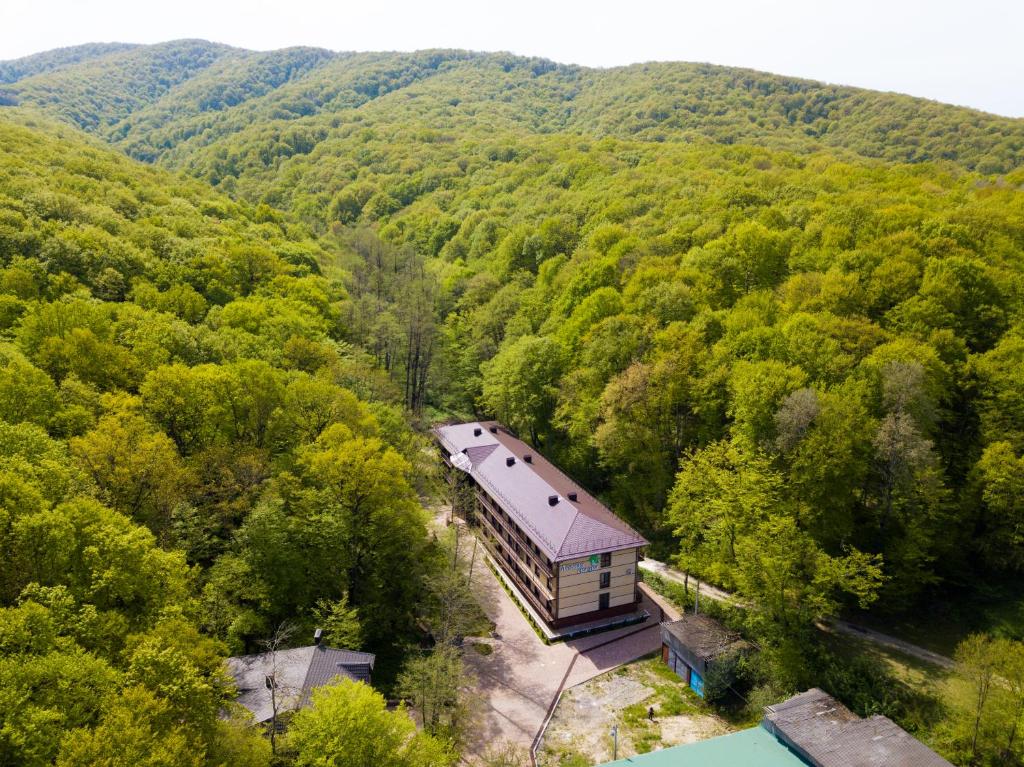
292	675
694	644
568	554
825	733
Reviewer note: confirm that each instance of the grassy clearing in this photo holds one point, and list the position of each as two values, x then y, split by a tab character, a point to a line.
671	698
563	756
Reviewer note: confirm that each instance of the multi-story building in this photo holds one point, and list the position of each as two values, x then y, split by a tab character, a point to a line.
570	556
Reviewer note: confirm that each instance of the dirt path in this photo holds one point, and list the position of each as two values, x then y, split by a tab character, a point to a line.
838	626
893	643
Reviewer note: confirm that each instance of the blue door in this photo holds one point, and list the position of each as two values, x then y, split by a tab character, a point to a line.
696	683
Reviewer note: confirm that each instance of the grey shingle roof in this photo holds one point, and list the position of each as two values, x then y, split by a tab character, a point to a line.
704	636
827	734
567	530
297	671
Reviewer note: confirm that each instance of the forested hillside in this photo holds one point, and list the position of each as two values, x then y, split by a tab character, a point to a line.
151	99
55	59
777	325
102	89
191	453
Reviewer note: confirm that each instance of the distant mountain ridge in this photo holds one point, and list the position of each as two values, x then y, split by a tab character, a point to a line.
47	61
150	100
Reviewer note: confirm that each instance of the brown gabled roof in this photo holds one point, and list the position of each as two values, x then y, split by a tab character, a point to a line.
567	530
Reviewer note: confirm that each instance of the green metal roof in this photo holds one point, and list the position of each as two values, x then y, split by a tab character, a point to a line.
755	747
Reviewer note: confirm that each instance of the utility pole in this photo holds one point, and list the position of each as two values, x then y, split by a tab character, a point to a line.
615	742
696	600
455	552
472	560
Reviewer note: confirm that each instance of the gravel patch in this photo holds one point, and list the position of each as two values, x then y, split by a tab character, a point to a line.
580	730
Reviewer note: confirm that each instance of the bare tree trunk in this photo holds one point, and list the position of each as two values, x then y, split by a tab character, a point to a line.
983	686
276	641
1016	723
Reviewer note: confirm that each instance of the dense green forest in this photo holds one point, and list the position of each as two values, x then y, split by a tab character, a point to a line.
192	453
777	325
55	59
170	101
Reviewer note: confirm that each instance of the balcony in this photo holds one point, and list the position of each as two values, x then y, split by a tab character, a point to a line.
527	583
510	572
503	529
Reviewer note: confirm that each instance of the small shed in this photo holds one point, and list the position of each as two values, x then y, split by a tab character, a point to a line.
693	644
825	733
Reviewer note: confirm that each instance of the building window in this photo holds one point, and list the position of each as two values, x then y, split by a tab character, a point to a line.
606	580
606	559
602	601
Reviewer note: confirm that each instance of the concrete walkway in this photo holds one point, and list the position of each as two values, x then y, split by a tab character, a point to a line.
669	573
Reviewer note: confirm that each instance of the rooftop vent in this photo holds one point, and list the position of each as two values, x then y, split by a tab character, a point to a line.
510	460
552	500
477	431
318	635
528	458
573	496
494	430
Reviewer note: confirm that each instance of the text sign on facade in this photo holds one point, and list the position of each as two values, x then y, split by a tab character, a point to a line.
592	564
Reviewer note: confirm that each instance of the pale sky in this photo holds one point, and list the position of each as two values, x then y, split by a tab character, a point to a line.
968	52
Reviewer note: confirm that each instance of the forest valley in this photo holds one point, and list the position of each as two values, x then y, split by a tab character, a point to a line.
777	326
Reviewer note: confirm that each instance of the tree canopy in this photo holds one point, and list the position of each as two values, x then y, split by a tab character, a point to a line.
776	325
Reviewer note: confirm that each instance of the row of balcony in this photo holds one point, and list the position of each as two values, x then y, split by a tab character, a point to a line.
544	580
506	527
501	555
